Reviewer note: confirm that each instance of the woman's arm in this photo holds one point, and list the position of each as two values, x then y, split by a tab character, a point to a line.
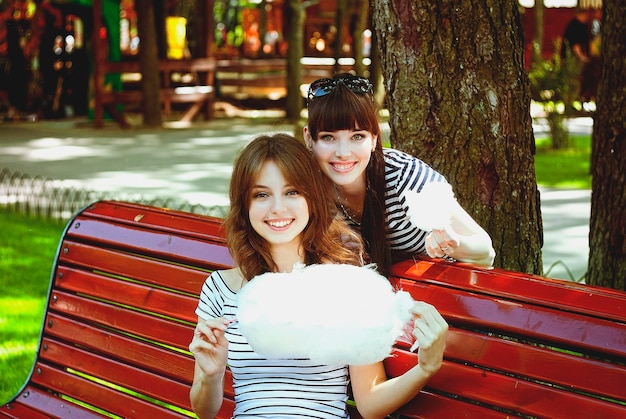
210	349
463	239
375	395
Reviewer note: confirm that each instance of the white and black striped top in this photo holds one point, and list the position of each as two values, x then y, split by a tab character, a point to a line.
273	388
404	172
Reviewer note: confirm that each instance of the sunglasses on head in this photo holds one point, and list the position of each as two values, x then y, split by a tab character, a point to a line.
356	84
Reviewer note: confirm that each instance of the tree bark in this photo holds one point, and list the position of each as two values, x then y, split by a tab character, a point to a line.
149	62
459	99
607	242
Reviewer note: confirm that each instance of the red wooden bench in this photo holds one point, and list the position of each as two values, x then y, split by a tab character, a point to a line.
120	316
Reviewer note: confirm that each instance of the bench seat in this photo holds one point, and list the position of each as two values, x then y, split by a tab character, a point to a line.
125	284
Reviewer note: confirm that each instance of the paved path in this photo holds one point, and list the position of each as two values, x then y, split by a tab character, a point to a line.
194	165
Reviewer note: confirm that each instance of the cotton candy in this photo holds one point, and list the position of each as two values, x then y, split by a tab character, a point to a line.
431	208
331	314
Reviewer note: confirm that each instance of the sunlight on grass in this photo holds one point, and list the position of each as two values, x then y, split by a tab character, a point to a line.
20	323
567	168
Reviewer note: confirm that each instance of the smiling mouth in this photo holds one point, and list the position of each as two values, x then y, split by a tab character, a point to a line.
342	167
279	224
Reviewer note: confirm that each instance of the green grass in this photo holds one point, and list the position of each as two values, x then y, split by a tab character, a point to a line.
27	249
567	168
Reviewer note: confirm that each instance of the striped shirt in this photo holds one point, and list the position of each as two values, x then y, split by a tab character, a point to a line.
403	173
273	387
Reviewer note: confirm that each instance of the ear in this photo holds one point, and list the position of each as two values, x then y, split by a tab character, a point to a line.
374	142
308	140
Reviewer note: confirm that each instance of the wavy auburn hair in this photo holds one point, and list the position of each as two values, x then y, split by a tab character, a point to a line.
323	237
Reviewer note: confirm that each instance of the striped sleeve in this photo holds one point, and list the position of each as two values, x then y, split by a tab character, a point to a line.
403	173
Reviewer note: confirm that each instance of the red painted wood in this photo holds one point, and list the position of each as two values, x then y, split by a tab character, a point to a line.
431	405
160	244
150	271
523	319
123	320
98	395
162	219
569	296
149	299
35	403
539	363
512	394
531	362
149	357
113	371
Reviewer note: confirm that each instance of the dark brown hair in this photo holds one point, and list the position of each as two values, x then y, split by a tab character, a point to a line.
344	109
322	238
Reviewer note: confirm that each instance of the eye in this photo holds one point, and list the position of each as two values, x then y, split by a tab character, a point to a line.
292	192
327	138
260	195
358	137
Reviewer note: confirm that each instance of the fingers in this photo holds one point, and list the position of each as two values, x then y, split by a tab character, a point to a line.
430	331
429	327
209	346
208	333
441	242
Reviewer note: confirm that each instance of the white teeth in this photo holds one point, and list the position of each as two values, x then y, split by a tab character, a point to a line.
278	223
342	166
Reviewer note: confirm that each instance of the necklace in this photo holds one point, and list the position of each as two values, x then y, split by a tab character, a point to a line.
350	217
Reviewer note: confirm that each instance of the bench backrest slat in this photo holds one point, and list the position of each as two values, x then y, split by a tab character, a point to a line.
136	352
534	322
41	404
118	373
515	286
109	399
511	393
115	263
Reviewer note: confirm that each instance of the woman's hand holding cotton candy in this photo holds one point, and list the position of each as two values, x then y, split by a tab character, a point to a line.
442	241
209	345
430	331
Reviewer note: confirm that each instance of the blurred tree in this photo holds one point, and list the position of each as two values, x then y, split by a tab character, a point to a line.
294	19
607	235
459	99
149	62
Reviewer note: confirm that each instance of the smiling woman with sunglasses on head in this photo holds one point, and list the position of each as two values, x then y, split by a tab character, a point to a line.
374	185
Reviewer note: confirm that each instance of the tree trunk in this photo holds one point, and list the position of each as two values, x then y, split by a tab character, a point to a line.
149	62
459	99
294	18
607	242
340	14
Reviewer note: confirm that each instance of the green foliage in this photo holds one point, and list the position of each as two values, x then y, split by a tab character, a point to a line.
555	83
555	80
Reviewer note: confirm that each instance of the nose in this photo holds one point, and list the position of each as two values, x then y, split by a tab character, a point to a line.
277	204
343	148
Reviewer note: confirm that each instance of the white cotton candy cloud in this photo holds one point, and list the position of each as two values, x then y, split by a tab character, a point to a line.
331	314
431	208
